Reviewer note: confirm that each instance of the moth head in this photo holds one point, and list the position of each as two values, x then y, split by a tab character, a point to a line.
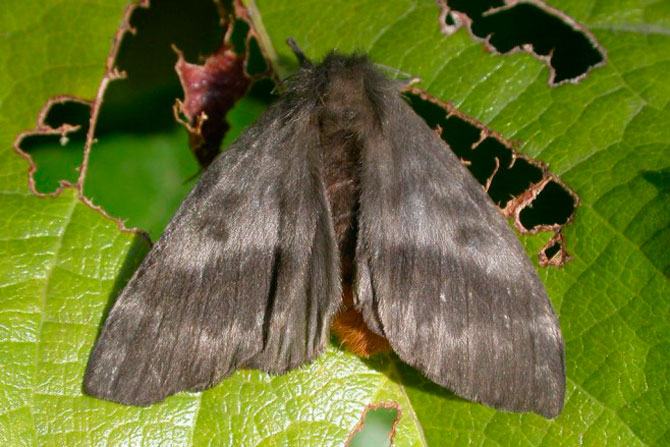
344	93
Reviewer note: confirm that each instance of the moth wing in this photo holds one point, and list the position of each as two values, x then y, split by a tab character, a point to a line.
444	278
245	275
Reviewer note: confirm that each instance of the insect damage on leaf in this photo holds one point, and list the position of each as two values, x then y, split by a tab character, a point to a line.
377	425
553	252
55	148
524	188
508	26
63	129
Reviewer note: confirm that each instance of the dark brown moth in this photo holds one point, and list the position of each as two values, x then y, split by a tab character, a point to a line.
338	185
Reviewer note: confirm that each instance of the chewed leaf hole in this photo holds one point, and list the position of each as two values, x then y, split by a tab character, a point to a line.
57	156
511	181
449	20
461	134
141	168
553	206
523	188
554	253
68	112
487	159
569	49
377	426
551	251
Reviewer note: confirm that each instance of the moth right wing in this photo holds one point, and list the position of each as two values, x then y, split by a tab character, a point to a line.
245	275
442	276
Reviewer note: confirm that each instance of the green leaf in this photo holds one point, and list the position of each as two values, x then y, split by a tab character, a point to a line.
607	138
62	263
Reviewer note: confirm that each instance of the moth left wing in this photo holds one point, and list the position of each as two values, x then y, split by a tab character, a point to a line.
442	276
245	275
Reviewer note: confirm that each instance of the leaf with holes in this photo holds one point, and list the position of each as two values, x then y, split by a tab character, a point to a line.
605	136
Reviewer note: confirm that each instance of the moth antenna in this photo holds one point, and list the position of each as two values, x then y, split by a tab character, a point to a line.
299	54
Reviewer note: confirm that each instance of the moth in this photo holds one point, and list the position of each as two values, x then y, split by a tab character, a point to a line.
340	207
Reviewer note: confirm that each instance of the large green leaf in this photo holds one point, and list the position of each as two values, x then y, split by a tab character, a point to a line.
607	137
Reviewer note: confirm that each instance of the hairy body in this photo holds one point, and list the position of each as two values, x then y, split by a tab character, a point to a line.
340	150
